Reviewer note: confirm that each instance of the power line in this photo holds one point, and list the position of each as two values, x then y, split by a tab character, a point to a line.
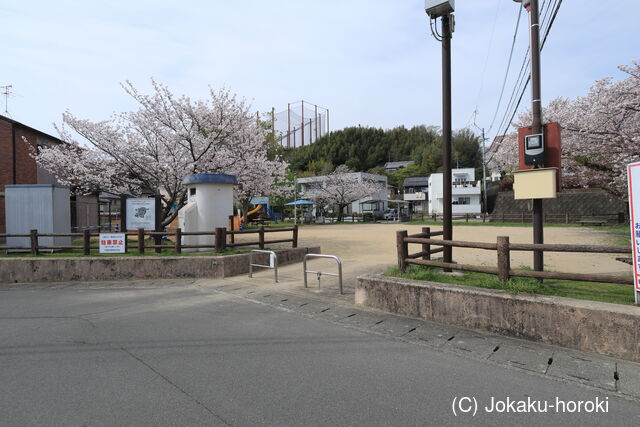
555	8
486	59
506	74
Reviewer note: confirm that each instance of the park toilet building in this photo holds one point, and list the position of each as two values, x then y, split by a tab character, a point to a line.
209	205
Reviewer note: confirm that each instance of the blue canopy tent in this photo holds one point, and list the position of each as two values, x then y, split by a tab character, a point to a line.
299	202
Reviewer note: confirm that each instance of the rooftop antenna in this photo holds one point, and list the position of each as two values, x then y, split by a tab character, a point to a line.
6	92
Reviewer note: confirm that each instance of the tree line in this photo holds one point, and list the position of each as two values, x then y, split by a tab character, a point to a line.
367	149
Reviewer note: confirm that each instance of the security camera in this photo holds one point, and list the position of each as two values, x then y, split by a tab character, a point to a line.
437	8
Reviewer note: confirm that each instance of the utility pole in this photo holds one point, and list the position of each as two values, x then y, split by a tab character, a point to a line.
536	125
444	10
447	225
484	164
484	175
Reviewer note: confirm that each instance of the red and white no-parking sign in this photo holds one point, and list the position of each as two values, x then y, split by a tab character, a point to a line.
633	174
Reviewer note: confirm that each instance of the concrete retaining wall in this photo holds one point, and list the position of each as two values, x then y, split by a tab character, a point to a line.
54	269
608	329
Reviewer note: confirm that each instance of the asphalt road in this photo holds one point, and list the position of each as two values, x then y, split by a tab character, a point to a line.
184	354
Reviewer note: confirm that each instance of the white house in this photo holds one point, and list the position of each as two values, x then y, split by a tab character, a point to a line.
465	192
371	203
415	192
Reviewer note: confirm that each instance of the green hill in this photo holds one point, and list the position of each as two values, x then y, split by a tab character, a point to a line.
368	149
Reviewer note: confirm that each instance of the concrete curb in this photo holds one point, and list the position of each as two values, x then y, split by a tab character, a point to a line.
58	269
608	329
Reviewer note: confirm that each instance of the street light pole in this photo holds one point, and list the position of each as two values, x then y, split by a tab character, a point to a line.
536	125
444	9
447	224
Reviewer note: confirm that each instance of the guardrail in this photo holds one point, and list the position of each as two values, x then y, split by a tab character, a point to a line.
218	242
272	256
503	249
320	273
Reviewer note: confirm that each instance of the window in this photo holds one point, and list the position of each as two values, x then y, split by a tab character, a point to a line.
192	191
463	201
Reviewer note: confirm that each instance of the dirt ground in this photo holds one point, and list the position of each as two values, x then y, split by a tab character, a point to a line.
371	248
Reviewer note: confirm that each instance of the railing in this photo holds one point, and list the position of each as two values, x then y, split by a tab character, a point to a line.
503	248
320	273
559	218
526	217
218	241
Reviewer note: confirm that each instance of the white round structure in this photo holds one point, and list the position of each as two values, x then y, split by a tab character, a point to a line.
209	205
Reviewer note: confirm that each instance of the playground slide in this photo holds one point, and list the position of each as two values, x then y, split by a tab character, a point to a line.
271	215
257	209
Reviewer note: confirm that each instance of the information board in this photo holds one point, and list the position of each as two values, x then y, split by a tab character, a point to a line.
633	174
141	213
112	243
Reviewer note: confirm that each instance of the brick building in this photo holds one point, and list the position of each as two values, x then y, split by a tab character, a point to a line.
16	164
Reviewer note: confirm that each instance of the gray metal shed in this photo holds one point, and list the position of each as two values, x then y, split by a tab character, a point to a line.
42	207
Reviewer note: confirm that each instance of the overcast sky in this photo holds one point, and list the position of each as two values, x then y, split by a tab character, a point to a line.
370	62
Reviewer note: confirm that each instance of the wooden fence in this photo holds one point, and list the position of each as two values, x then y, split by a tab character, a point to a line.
221	239
503	249
527	217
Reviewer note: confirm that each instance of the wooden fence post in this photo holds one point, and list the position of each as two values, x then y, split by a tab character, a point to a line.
34	242
295	236
403	249
157	239
566	218
504	258
232	237
261	237
141	241
466	217
86	241
178	242
220	237
426	247
523	217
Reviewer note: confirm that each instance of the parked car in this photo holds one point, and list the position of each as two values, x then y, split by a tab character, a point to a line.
391	214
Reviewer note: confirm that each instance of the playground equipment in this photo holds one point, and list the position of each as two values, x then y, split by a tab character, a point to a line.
273	262
267	210
208	207
320	273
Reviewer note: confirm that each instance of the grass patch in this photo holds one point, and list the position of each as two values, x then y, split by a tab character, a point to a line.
620	234
603	292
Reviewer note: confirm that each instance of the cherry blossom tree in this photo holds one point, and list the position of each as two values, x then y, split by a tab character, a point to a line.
151	150
600	133
341	188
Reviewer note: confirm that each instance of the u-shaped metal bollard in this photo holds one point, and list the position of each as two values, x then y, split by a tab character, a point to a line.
320	273
271	254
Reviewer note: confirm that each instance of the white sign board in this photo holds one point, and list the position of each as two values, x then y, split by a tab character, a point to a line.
141	213
633	174
112	243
